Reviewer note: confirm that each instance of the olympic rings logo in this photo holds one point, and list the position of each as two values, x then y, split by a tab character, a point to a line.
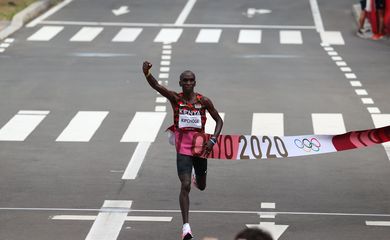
308	145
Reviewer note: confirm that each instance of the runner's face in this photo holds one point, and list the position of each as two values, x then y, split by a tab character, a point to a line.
188	83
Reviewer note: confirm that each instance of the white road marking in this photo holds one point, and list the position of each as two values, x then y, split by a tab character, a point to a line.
332	37
208	36
249	36
328	49
373	110
337	58
127	35
382	120
290	37
161	100
167	52
165	63
271	124
367	101
144	127
267	205
328	123
168	35
160	109
275	230
45	33
361	92
86	34
168	25
2	49
166	57
136	161
210	123
355	83
4	45
167	47
267	216
128	218
330	53
48	13
82	127
350	76
20	126
185	12
163	75
317	16
108	224
345	69
164	69
9	40
378	223
341	63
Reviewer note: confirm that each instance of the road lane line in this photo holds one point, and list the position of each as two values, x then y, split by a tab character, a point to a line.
355	83
168	25
328	123
48	13
290	37
361	92
82	127
267	205
208	36
20	126
271	124
144	127
86	34
168	35
185	12
108	224
210	123
136	161
249	36
350	76
127	35
45	33
332	37
378	223
317	16
373	110
128	218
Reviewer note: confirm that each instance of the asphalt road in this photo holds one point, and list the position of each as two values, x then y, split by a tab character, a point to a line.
44	178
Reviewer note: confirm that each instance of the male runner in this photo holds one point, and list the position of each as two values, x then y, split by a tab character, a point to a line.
189	109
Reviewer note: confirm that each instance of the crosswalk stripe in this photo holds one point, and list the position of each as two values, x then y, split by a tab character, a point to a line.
290	37
208	36
86	34
168	35
144	127
249	36
328	123
82	127
127	35
45	33
271	124
332	37
19	127
210	123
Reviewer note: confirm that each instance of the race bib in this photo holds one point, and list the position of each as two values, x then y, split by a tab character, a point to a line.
190	121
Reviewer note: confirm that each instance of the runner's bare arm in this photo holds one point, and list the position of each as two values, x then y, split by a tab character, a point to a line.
218	127
170	95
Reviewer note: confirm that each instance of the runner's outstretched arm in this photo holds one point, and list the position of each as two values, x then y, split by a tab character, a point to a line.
170	95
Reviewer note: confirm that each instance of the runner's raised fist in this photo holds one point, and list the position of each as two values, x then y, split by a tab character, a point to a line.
146	66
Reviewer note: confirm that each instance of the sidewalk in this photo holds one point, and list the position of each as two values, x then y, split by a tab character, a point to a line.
3	25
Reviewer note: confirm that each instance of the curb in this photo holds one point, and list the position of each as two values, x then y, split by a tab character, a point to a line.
25	16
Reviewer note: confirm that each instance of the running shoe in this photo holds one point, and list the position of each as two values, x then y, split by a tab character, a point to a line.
377	36
361	34
187	233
